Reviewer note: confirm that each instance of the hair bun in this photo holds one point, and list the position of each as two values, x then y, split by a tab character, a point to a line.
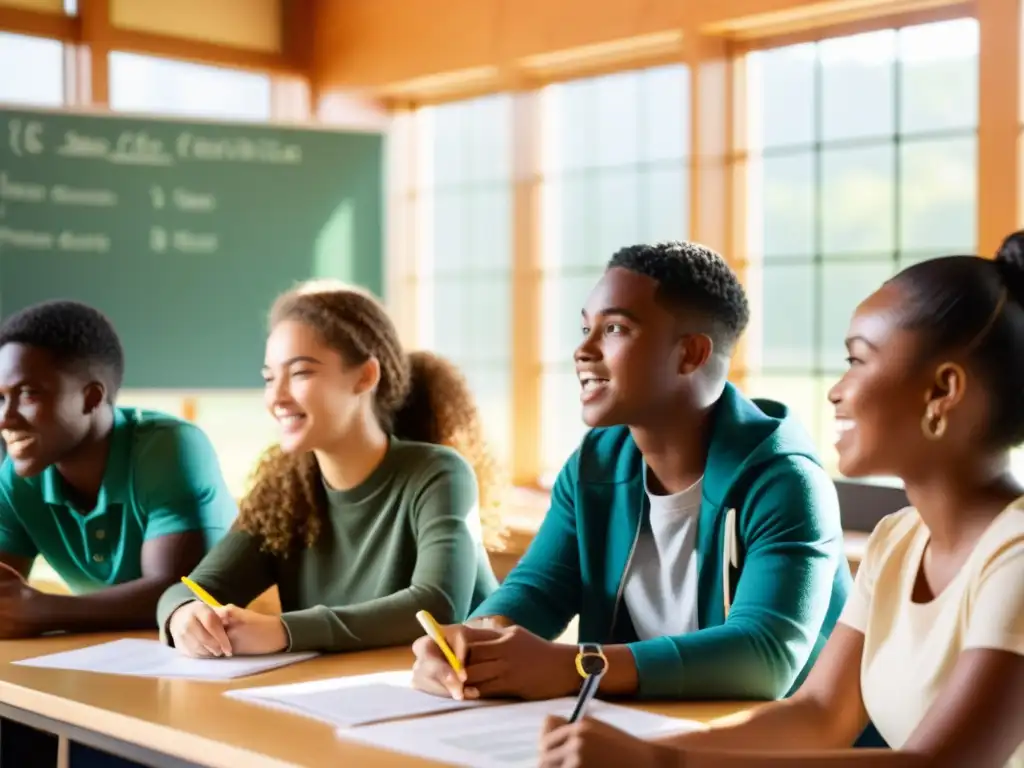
1010	263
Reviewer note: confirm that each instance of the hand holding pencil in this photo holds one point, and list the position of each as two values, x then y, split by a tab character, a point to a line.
205	628
594	742
442	656
198	631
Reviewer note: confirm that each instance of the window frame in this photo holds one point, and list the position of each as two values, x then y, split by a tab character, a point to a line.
826	366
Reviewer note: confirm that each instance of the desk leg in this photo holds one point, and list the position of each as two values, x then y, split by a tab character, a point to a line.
28	740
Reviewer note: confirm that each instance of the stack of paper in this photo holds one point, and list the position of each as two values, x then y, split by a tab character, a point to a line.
349	701
150	658
385	711
502	737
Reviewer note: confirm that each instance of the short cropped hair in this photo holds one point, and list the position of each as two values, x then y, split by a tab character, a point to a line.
77	335
692	278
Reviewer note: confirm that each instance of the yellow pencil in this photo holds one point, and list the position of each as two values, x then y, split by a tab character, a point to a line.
433	629
201	593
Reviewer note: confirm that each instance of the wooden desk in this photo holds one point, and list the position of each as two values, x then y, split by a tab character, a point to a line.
175	723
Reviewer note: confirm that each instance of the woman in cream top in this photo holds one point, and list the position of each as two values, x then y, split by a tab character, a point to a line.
930	646
912	646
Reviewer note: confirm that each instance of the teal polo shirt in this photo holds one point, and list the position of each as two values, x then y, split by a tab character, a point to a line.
162	477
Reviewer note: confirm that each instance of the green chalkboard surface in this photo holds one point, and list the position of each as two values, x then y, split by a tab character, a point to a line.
183	233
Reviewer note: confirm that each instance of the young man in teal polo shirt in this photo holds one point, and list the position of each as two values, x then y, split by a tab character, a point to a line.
694	531
120	502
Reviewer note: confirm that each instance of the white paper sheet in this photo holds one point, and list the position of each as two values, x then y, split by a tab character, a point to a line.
150	658
350	701
504	736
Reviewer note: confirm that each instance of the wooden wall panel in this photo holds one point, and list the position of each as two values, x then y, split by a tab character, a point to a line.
273	36
999	122
33	22
717	211
527	286
379	43
756	18
43	6
91	71
254	25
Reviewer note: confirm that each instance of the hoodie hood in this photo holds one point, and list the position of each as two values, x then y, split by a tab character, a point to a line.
746	435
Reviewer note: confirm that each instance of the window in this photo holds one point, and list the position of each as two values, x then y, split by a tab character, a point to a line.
40	66
464	259
163	86
862	161
615	173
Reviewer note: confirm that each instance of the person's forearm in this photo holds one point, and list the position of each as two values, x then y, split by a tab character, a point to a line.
385	621
621	679
490	622
774	727
123	607
728	662
847	758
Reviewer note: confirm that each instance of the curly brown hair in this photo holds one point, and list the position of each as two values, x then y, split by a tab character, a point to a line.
420	397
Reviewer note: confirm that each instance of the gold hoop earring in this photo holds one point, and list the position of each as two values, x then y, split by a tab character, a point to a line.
933	427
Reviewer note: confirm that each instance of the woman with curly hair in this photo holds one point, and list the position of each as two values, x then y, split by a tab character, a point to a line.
368	509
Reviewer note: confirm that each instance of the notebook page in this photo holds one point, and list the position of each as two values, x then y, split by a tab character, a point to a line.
506	737
350	701
151	658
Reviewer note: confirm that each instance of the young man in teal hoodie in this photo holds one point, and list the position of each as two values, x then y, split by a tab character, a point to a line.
693	531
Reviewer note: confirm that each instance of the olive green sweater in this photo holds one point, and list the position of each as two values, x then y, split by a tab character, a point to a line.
408	538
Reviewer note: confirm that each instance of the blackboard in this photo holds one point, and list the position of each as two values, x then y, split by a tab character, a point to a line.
183	232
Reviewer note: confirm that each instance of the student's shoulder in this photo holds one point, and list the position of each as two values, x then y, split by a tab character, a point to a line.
1003	540
794	474
155	434
422	471
167	450
892	532
783	492
425	461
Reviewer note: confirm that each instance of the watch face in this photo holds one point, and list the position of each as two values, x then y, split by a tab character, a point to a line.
593	664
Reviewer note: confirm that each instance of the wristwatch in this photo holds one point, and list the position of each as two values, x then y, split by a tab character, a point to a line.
591	661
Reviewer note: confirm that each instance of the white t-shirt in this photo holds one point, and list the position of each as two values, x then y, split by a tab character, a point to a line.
910	648
661	584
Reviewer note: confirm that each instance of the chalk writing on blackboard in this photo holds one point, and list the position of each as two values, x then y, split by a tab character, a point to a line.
140	148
